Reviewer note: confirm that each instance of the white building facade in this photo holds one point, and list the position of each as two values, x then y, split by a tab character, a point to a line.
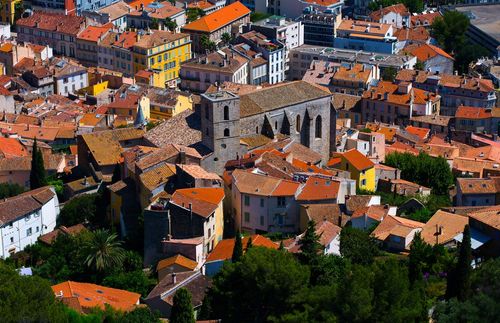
25	217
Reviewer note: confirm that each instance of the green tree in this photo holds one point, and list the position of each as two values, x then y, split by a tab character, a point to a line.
357	246
154	24
182	309
206	43
389	74
414	6
394	300
226	38
459	284
309	244
79	209
193	14
449	30
419	66
433	172
418	259
38	175
468	53
170	24
27	299
356	293
238	248
482	305
134	281
140	315
10	189
104	251
257	287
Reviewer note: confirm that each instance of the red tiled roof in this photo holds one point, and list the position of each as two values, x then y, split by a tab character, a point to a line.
53	22
219	18
179	260
422	133
126	39
464	112
423	52
317	188
357	159
397	8
424	19
401	148
204	201
11	147
94	33
224	249
91	295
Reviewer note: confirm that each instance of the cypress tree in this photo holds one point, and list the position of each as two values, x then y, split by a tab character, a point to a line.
282	246
309	244
249	243
182	309
464	269
458	282
38	176
116	174
238	248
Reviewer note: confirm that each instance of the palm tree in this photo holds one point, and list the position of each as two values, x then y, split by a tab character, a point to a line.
104	251
226	38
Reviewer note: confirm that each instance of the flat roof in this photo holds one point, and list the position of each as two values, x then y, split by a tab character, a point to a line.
484	17
326	53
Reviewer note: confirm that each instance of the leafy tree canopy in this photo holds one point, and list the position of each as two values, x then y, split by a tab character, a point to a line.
10	189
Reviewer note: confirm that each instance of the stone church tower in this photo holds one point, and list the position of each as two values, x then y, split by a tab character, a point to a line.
220	127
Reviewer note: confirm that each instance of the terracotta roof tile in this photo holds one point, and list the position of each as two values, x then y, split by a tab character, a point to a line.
255	184
224	249
478	185
157	176
357	159
11	147
157	38
178	260
91	295
204	201
416	34
105	145
422	133
196	283
424	19
317	188
489	216
50	237
397	8
53	22
448	224
94	33
219	18
23	204
476	113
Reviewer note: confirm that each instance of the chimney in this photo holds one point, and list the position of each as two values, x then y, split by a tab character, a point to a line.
182	157
174	278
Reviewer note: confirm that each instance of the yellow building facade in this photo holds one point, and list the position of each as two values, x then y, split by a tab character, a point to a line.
182	103
162	53
361	168
8	11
